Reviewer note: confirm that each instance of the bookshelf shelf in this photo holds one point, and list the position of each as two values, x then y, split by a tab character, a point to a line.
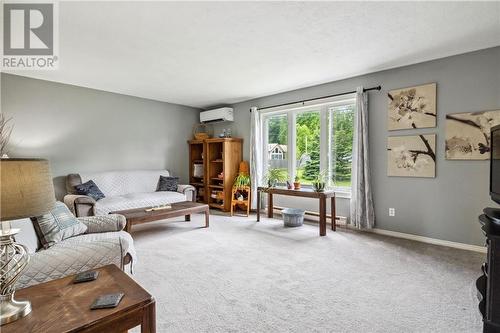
223	156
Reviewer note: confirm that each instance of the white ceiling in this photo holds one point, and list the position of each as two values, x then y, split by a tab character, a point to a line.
209	53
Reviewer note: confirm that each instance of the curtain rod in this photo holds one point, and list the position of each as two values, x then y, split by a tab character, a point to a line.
313	99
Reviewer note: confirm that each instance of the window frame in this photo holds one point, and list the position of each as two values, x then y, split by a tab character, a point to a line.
321	106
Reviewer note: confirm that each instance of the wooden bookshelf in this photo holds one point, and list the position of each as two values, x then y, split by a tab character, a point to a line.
220	158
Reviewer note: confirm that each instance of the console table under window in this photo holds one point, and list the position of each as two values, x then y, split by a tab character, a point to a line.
305	193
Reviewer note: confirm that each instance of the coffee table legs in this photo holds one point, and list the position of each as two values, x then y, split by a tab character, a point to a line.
207	218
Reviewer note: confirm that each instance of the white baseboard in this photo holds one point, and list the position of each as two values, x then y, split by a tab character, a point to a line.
423	239
429	240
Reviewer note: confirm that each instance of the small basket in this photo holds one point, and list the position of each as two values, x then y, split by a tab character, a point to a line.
201	132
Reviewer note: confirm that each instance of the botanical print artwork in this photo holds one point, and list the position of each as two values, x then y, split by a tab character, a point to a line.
411	156
468	134
413	107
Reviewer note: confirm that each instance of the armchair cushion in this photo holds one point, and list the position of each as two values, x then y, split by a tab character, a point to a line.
104	223
75	255
89	189
57	225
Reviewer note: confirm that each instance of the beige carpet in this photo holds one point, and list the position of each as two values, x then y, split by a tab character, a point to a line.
244	276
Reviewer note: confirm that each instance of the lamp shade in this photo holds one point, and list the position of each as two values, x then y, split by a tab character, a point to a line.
26	188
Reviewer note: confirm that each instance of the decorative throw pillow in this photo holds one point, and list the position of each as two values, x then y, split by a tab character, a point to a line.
90	189
57	225
168	184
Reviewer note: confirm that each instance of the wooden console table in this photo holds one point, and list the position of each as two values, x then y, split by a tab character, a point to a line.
305	193
61	306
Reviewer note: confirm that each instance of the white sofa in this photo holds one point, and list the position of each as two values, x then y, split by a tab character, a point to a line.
122	190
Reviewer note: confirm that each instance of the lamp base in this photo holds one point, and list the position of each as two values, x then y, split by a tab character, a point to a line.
11	310
14	261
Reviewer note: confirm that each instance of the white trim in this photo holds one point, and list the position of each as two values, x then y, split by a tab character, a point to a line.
338	100
417	238
342	194
428	240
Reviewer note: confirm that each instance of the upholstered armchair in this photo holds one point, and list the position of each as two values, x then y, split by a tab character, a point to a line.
103	243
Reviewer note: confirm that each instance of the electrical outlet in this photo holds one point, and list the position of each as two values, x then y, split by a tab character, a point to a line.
392	211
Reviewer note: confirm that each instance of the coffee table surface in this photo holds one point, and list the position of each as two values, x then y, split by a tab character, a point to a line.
61	306
184	208
178	209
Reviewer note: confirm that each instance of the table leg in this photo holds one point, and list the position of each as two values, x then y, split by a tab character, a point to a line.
258	206
334	214
148	324
322	216
270	208
207	218
187	218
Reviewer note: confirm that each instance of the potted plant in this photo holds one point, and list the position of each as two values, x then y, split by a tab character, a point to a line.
296	183
274	176
241	181
319	182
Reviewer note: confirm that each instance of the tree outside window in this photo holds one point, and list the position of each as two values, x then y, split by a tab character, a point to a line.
313	149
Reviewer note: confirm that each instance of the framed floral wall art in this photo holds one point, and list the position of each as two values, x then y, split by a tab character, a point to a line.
413	107
411	156
468	135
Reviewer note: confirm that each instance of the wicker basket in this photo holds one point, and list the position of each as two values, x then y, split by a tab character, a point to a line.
201	132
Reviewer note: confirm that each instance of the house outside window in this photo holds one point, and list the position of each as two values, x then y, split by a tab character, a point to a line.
276	151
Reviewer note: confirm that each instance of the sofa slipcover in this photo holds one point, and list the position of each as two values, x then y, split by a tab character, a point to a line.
123	190
103	243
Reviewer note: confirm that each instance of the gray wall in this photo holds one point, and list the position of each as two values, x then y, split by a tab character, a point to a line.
80	129
445	207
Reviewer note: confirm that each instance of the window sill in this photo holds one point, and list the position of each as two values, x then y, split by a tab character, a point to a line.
342	194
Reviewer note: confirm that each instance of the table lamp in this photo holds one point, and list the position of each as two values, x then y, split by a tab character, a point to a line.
26	190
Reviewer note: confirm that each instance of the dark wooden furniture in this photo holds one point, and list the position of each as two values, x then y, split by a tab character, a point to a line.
61	306
217	156
305	193
142	215
488	284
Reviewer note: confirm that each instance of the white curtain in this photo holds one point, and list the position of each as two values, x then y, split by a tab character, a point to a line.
362	211
256	149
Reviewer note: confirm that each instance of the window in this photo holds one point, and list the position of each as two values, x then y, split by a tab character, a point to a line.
306	140
307	146
276	129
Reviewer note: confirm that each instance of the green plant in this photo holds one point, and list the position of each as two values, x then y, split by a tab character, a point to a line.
297	179
242	180
274	176
319	181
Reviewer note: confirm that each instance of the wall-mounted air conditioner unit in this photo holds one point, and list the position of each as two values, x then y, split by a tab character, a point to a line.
216	115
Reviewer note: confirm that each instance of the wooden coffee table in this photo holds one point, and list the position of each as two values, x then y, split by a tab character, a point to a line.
61	306
186	208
